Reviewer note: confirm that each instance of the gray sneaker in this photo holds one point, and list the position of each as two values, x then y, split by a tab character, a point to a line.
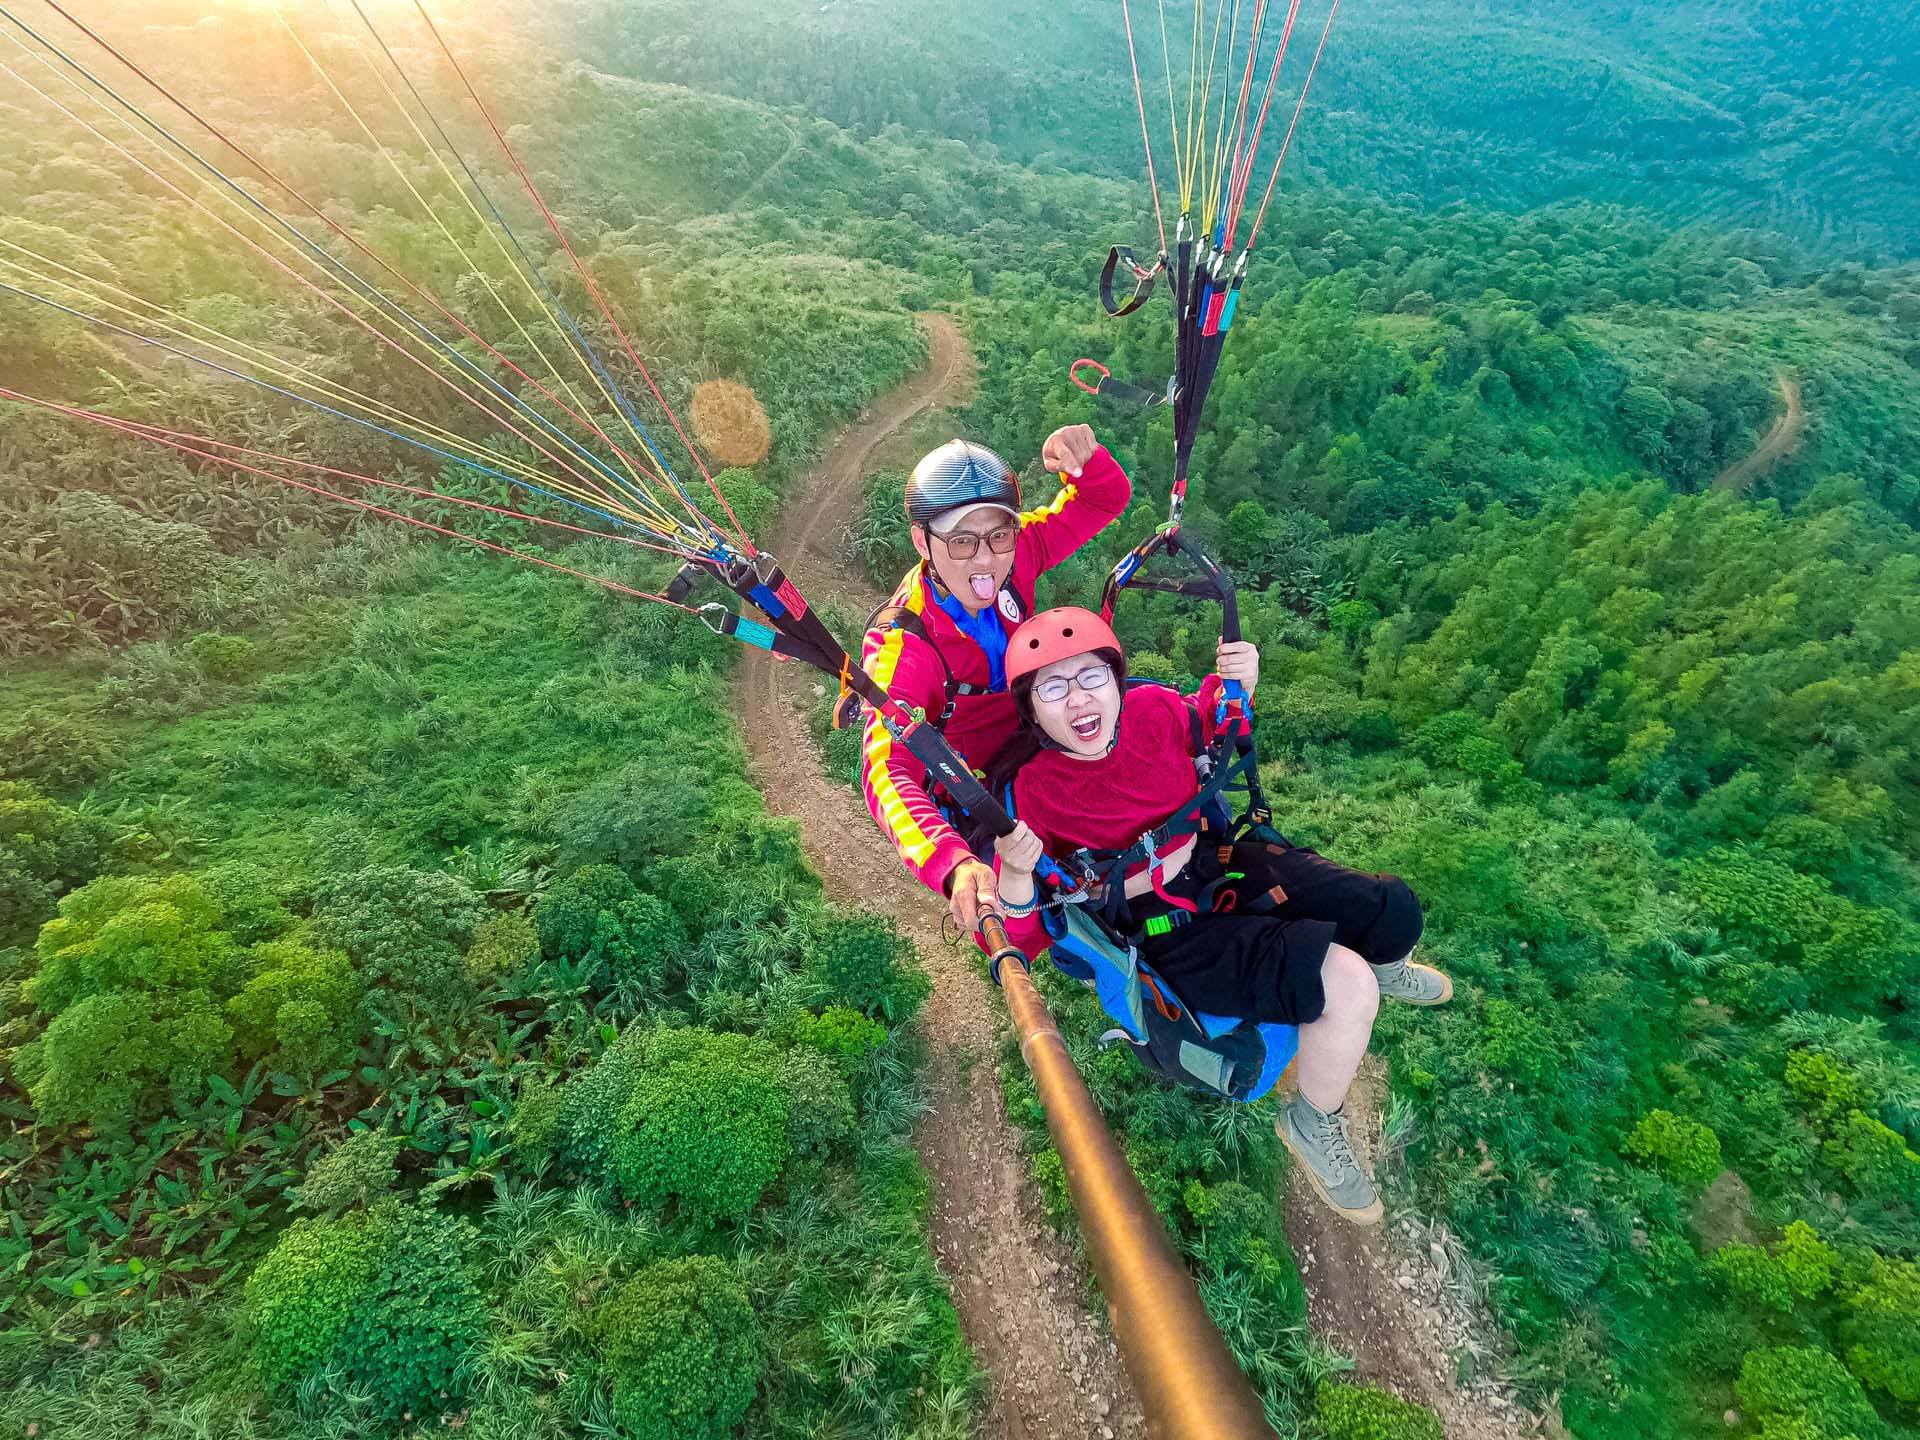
1319	1142
1415	984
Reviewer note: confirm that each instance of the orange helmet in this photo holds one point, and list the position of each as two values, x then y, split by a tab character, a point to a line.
1056	635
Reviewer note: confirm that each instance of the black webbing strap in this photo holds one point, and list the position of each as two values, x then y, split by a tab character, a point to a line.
1189	821
1105	387
1143	281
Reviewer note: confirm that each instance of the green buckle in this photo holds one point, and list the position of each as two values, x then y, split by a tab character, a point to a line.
1160	925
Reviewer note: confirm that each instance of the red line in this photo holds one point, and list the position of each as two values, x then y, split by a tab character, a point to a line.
1246	92
344	234
1266	103
1299	106
161	436
587	279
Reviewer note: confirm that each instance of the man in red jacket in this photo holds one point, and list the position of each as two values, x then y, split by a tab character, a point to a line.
940	643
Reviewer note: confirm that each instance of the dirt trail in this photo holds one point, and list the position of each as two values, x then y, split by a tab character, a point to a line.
1052	1370
1401	1300
1782	439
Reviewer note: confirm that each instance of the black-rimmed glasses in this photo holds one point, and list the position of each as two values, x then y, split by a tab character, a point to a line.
1057	687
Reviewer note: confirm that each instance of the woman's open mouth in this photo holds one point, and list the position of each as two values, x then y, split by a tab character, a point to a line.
1087	727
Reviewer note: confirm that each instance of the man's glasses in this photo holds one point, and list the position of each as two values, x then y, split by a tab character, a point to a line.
1057	687
965	544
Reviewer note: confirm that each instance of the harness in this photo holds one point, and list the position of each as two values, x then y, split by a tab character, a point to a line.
1095	940
895	616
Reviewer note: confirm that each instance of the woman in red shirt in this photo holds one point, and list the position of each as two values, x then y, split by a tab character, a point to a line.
1098	765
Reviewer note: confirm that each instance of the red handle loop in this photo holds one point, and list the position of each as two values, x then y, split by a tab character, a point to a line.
1073	374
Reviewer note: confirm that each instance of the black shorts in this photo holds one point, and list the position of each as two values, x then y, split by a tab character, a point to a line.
1266	966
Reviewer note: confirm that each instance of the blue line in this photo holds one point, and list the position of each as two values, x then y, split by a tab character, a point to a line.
265	385
586	347
366	288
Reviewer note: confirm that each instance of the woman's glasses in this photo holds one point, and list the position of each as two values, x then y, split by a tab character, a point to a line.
965	544
1057	687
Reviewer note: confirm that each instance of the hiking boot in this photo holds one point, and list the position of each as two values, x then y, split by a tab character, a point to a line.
1415	984
1319	1142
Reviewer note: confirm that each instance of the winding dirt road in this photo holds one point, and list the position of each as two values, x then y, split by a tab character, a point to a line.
1052	1368
1782	439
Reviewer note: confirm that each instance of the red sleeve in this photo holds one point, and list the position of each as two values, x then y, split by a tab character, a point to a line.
1028	931
891	778
1083	508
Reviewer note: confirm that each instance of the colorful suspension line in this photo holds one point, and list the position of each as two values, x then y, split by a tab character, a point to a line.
1208	261
1206	272
357	283
586	278
648	510
179	442
277	263
217	369
583	348
99	294
353	241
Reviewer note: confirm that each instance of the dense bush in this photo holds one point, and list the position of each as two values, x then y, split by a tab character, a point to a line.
46	850
682	1347
705	1125
841	1032
1881	1330
227	659
376	1304
412	1344
56	749
502	944
408	929
1793	1384
355	1170
129	976
819	1105
298	1009
146	997
863	962
1685	1149
633	944
305	1296
587	1126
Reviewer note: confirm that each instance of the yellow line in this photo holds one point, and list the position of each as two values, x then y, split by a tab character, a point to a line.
279	370
433	214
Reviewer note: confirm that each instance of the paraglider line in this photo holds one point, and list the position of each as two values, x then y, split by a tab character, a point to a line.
319	214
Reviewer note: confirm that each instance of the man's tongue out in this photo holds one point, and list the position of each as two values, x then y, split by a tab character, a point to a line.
983	586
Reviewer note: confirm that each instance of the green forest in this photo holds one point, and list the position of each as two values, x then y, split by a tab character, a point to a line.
411	1016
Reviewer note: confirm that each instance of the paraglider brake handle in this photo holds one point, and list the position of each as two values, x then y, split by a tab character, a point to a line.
691	574
1073	374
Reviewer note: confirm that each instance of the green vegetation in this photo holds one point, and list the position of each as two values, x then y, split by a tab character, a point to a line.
409	1016
1358	1412
1727	111
384	927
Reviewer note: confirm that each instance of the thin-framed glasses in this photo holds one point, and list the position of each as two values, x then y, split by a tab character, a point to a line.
965	544
1057	687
